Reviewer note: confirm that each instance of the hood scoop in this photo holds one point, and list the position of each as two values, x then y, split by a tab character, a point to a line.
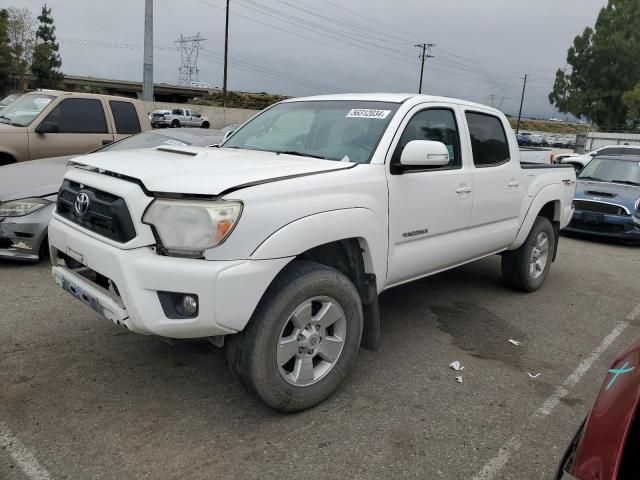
601	194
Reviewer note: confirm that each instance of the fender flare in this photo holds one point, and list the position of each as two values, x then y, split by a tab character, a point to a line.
321	228
550	193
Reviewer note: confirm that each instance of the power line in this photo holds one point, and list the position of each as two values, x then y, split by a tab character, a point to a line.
226	55
189	48
426	53
524	87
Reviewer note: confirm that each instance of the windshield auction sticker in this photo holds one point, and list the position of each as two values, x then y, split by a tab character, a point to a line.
368	113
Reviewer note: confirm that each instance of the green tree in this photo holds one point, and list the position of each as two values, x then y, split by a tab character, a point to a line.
5	52
21	41
603	67
46	56
632	101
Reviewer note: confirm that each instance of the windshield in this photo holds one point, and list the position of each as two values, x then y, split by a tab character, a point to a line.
8	99
25	109
610	170
144	140
333	130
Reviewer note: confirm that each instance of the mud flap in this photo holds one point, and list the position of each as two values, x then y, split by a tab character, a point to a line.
371	333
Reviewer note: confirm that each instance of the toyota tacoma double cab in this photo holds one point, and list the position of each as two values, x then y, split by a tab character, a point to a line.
277	244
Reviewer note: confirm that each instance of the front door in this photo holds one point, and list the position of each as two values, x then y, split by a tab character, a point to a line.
429	208
81	127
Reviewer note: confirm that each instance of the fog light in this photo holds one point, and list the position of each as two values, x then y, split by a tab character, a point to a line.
187	305
179	305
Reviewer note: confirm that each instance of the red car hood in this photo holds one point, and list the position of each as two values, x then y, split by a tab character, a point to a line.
605	432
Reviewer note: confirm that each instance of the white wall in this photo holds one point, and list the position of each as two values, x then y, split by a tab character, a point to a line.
601	139
218	116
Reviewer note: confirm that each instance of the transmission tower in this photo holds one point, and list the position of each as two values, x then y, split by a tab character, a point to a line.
189	48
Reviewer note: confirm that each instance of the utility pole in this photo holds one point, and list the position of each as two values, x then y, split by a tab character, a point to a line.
521	102
426	53
147	69
226	57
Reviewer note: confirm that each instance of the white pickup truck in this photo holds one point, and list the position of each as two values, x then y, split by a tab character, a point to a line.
280	241
178	117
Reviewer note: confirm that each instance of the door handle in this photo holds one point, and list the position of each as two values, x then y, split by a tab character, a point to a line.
464	190
513	184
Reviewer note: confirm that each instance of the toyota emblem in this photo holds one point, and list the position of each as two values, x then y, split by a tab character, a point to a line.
81	204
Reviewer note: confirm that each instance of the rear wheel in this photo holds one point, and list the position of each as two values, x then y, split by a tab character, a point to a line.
527	267
175	124
6	159
302	340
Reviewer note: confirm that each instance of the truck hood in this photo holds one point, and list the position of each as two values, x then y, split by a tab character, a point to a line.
38	178
619	193
206	171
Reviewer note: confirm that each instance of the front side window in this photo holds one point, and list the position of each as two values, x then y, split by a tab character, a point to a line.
25	109
437	125
78	115
333	129
125	117
488	140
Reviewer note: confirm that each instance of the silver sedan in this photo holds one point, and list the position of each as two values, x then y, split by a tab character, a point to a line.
29	190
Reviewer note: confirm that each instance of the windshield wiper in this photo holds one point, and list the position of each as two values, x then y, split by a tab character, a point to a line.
4	119
626	182
591	178
300	154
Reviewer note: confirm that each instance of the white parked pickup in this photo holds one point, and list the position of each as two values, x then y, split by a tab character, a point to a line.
278	243
178	117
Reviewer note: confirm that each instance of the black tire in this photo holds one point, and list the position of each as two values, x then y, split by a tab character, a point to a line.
205	125
252	353
516	271
6	159
175	124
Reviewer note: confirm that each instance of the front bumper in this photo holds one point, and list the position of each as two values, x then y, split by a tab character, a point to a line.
228	291
610	226
21	237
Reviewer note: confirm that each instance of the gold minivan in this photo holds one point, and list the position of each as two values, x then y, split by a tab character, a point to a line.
49	123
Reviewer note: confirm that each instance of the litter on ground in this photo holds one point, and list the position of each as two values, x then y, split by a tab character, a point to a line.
456	366
459	379
514	342
533	376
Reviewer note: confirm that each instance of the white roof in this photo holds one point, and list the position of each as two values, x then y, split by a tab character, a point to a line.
391	97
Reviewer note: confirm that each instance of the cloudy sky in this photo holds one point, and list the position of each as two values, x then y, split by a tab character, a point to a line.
301	47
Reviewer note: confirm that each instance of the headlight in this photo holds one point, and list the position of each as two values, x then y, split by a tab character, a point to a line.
21	208
189	227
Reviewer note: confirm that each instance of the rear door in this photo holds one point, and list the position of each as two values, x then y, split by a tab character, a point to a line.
82	127
125	118
429	208
497	181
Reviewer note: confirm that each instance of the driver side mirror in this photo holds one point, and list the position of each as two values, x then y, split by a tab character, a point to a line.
425	153
47	127
227	135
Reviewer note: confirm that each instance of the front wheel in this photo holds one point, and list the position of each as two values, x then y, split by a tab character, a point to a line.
527	267
302	340
205	125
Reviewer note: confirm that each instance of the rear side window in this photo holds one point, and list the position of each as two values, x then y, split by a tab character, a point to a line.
438	125
125	116
79	115
488	140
